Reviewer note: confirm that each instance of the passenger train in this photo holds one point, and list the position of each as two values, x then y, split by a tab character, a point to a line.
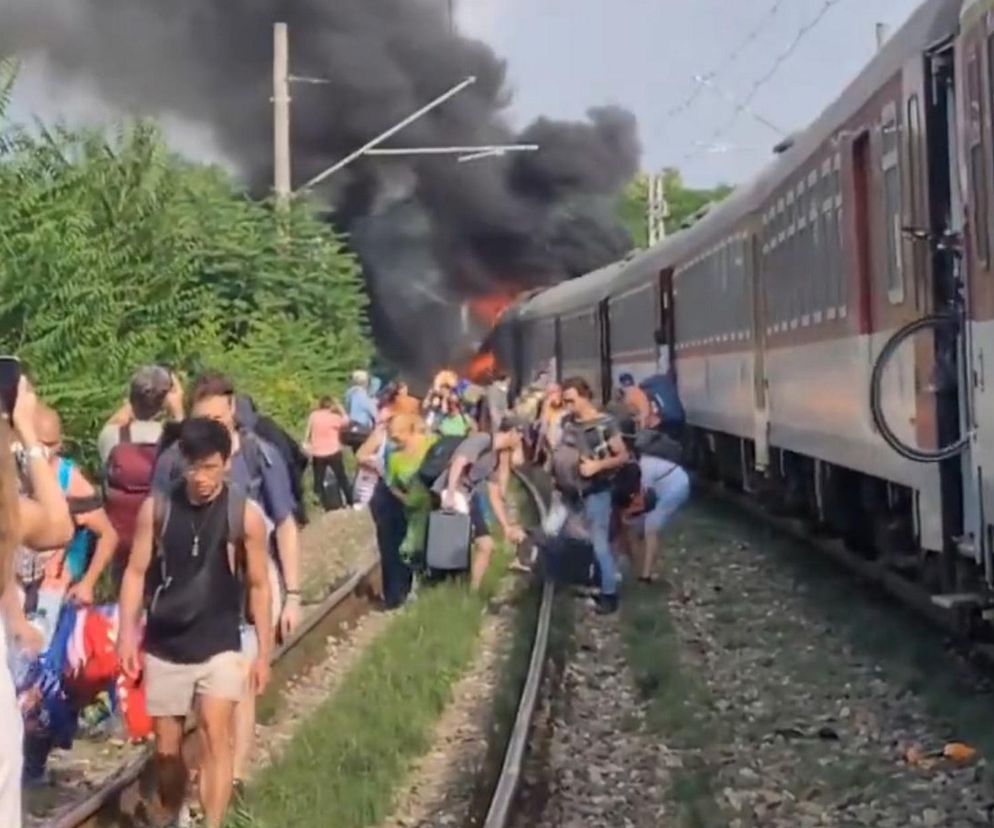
831	324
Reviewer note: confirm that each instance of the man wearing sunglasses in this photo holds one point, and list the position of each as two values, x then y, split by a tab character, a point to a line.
603	452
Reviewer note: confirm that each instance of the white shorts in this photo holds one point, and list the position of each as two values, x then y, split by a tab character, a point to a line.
170	688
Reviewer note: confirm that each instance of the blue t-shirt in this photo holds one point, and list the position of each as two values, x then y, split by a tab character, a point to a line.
274	494
360	407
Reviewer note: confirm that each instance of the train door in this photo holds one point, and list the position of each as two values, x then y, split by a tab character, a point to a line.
951	383
972	170
761	412
604	327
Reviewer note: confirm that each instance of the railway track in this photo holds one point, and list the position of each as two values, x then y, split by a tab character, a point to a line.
957	622
122	799
502	804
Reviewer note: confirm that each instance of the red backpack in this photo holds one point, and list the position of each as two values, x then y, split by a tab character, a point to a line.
127	483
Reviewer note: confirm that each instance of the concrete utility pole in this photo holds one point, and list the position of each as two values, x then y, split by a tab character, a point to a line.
281	116
659	210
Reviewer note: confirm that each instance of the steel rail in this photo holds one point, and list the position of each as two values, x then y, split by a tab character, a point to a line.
127	779
501	804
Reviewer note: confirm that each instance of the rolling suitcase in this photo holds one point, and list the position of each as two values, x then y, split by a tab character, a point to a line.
447	549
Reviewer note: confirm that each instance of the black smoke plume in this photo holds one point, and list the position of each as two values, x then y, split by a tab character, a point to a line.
431	232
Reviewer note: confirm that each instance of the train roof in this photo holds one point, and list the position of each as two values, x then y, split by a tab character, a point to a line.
931	23
574	293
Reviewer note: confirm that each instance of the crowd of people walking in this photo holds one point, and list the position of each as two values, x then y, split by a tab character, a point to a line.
169	585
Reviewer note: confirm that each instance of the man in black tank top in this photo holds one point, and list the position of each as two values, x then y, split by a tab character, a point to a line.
190	549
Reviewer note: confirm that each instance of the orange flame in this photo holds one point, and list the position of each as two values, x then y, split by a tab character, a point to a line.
482	367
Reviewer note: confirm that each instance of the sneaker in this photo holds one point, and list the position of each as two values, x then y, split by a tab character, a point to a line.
606	605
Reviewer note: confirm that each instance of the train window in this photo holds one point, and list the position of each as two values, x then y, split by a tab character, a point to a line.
914	136
838	236
890	164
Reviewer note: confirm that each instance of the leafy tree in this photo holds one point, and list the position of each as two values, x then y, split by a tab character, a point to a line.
633	206
684	201
114	253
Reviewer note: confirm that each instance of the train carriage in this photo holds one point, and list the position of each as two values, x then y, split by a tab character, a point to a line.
831	324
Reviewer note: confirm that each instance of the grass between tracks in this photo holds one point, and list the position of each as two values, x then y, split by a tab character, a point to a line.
678	702
345	764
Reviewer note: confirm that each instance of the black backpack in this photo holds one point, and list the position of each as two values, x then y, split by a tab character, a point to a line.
438	459
293	456
657	444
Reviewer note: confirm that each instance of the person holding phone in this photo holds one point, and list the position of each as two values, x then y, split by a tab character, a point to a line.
27	523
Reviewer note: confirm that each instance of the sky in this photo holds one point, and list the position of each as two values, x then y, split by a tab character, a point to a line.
565	56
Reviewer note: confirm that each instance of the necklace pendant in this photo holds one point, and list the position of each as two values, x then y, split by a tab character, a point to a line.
196	547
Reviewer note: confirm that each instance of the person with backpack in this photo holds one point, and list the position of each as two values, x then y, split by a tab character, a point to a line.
95	541
600	452
257	469
660	487
248	418
195	541
360	408
128	447
475	479
668	414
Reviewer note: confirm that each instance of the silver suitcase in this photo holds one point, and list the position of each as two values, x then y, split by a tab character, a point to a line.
448	541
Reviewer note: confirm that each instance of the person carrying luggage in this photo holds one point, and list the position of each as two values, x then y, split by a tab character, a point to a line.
411	442
476	482
601	453
388	517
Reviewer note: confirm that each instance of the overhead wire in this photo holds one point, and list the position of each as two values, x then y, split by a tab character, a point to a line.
753	35
744	103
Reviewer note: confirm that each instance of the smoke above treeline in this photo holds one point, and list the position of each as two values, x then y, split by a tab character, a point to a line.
431	232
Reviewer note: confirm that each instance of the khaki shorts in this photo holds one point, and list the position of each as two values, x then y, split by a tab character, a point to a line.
170	689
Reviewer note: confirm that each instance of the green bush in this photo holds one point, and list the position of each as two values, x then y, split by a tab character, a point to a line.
115	252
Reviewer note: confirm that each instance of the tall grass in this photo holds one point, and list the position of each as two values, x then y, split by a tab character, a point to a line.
344	767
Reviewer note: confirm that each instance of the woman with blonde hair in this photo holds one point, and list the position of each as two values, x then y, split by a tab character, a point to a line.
27	524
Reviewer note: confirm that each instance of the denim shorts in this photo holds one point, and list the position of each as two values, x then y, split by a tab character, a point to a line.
671	493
